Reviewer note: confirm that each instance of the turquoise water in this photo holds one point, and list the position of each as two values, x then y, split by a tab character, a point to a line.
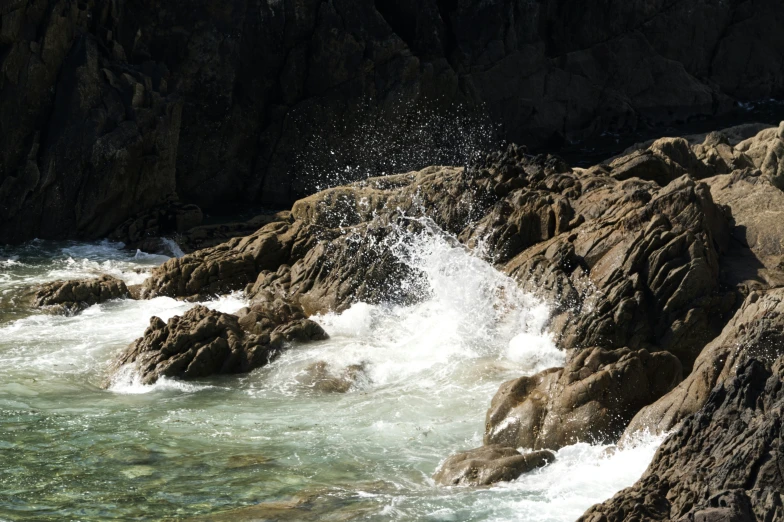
268	445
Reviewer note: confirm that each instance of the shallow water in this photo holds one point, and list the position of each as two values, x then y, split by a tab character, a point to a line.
270	445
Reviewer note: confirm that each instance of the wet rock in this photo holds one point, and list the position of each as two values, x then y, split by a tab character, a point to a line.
590	400
322	377
204	342
71	297
281	320
756	331
488	465
723	464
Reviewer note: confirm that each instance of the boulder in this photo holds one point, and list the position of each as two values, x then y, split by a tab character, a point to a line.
71	297
724	464
488	465
590	400
204	342
766	151
756	331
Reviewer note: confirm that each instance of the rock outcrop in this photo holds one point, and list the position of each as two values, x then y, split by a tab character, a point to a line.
71	297
724	464
108	109
488	465
756	331
204	342
592	399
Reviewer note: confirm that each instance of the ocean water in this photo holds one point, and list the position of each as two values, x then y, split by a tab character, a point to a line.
272	445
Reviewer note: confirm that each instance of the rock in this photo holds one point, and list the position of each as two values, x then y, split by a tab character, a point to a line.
321	377
71	297
205	236
755	259
723	464
204	342
488	465
766	151
281	320
109	110
756	331
231	265
145	230
590	400
641	269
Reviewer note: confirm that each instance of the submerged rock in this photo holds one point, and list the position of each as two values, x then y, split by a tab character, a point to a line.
590	400
71	297
724	464
488	465
204	342
322	377
756	331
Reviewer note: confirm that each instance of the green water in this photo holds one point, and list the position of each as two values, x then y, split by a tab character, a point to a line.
268	446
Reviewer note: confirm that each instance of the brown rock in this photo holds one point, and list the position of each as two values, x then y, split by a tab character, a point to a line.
723	464
203	342
590	400
71	297
488	465
756	330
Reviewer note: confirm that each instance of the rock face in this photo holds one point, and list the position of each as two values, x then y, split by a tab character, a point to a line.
146	230
488	465
756	331
71	297
724	463
590	400
204	342
108	109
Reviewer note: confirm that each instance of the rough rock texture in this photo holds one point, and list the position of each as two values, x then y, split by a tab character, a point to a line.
590	400
640	269
204	342
488	465
144	231
755	259
70	297
206	236
723	465
756	331
110	107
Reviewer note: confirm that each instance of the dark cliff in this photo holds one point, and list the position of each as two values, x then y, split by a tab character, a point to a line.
109	108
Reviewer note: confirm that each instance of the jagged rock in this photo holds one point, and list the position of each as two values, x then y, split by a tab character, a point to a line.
205	236
755	259
71	297
281	320
664	161
590	400
766	151
323	378
488	465
231	265
204	342
724	464
144	231
165	103
642	269
756	330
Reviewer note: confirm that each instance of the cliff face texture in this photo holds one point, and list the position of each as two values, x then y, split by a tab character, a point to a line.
109	108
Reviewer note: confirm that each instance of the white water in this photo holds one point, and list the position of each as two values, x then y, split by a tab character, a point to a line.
248	445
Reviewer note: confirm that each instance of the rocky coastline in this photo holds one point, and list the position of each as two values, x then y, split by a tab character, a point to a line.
662	268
